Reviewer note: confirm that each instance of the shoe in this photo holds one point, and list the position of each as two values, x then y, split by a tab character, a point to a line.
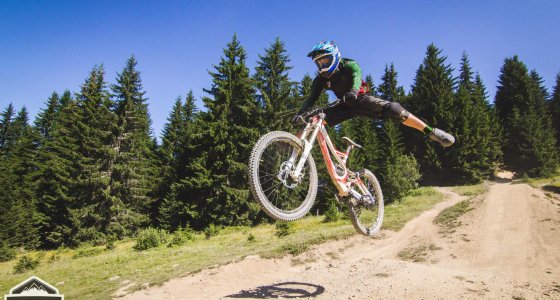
442	137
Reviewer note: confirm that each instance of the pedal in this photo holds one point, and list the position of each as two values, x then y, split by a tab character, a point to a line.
353	202
357	199
367	200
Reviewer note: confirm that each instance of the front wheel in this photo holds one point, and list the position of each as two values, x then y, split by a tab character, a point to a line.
366	214
272	159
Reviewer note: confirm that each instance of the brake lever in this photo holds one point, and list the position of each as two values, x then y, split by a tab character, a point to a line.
301	120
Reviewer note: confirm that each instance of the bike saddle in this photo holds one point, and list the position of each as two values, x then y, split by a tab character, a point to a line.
349	141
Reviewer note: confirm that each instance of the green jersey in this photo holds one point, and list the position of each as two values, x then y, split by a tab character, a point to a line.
347	78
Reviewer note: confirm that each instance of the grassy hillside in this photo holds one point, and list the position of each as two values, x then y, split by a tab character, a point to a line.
97	272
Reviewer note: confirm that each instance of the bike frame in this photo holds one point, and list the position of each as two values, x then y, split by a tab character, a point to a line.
315	130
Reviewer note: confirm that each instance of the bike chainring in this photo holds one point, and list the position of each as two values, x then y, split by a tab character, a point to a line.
367	201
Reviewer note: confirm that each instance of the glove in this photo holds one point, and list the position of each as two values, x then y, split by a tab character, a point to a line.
350	96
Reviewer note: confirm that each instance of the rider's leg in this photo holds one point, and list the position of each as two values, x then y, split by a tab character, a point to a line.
414	122
395	111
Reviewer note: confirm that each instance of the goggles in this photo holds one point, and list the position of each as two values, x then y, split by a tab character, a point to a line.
324	61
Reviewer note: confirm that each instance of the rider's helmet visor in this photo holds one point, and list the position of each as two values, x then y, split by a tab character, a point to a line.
324	61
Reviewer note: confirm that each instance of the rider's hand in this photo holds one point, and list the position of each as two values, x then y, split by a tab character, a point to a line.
350	96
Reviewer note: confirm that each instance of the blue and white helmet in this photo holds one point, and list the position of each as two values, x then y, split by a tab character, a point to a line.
326	56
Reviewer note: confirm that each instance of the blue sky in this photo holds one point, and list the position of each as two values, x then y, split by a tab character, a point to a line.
48	46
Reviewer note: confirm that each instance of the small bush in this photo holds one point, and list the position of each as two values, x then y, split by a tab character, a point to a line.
294	249
211	231
110	243
150	238
251	237
188	233
332	214
24	264
284	229
401	178
6	253
91	236
177	240
87	252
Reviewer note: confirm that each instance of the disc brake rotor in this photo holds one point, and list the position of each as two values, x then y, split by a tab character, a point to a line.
284	175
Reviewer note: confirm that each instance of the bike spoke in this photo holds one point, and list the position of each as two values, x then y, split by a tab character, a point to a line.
282	196
271	188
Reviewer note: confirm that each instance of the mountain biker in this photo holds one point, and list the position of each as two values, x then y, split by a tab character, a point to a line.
344	77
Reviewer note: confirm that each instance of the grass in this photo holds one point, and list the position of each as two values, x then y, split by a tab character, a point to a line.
97	272
399	213
551	183
447	219
471	190
415	254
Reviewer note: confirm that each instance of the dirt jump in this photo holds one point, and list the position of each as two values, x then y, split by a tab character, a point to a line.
507	246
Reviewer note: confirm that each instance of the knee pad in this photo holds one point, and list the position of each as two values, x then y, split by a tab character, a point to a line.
395	111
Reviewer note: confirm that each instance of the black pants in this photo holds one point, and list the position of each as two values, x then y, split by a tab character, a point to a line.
364	106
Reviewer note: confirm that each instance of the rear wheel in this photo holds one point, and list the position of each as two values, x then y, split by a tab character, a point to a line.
280	196
367	214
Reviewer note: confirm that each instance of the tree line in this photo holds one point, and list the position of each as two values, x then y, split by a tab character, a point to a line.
89	168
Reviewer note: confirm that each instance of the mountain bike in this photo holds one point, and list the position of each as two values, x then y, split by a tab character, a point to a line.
283	175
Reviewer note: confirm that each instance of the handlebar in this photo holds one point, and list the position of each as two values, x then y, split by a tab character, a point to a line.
306	115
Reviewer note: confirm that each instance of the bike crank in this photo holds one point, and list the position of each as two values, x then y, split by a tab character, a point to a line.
358	199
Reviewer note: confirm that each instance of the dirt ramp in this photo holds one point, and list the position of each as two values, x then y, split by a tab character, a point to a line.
507	246
512	232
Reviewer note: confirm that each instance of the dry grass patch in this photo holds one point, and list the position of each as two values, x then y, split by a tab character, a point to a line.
448	219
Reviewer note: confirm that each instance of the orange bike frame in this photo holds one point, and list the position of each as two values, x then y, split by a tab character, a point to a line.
316	129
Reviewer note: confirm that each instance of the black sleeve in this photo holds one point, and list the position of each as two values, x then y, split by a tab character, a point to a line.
316	89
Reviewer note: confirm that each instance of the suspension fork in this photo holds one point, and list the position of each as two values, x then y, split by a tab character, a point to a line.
307	146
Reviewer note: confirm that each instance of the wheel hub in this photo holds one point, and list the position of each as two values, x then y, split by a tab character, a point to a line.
284	175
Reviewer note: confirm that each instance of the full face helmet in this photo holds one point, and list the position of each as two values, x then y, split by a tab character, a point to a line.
326	56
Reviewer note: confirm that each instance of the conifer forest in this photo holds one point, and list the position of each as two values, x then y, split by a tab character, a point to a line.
90	169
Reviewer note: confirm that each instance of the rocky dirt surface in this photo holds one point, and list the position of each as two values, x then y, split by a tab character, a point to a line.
506	247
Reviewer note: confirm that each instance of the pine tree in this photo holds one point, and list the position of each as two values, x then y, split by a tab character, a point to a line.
58	169
65	99
46	118
18	218
177	208
372	88
226	137
134	166
432	99
513	91
6	130
546	157
168	155
554	106
304	88
474	156
529	146
398	172
490	132
274	87
95	209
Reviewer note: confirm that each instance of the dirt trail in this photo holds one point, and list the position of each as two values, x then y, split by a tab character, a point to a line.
507	247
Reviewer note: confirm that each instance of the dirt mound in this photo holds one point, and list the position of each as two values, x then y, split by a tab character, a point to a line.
506	246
